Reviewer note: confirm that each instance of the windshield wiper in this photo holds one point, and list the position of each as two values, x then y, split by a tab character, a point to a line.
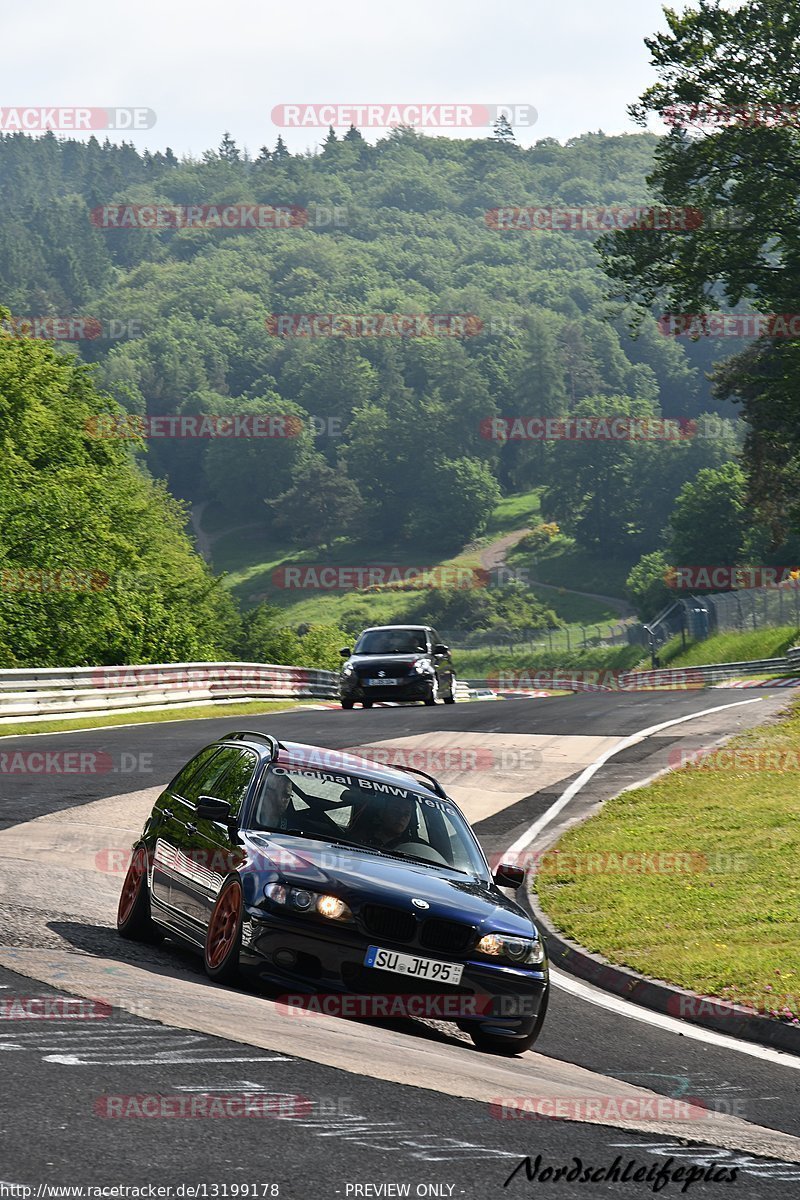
326	837
318	837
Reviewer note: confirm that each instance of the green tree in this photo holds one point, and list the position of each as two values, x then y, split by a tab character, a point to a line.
647	585
503	131
730	73
267	639
228	150
321	505
243	472
281	152
95	563
455	501
710	522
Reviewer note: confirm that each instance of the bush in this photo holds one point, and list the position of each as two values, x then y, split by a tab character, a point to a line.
268	639
646	585
539	537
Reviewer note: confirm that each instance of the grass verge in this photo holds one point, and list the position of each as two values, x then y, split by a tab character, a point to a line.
723	919
489	662
195	712
731	647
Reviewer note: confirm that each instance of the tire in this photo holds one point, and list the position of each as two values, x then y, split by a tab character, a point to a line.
451	698
497	1044
134	921
347	703
367	703
224	934
431	700
493	1044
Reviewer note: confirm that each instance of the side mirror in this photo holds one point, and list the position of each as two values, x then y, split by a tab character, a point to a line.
441	649
345	653
211	809
509	876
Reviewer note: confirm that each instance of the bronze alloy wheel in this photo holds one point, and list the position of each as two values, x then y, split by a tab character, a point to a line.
224	928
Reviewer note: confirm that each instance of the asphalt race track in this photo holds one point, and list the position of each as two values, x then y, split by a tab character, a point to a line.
352	1108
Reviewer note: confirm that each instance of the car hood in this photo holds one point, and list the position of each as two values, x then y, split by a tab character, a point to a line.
364	877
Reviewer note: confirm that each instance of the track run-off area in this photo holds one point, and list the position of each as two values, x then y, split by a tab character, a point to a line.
358	1104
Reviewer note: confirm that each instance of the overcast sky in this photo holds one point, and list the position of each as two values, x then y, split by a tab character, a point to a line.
212	65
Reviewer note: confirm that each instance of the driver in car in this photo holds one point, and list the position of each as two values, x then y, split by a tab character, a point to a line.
385	825
276	803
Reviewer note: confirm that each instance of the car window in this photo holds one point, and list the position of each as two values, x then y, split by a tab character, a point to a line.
232	786
206	781
367	813
392	641
182	781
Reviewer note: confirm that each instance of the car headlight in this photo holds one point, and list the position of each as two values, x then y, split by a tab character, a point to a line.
301	900
423	667
348	669
528	951
333	908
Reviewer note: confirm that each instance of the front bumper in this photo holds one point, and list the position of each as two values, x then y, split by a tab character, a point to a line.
309	958
410	687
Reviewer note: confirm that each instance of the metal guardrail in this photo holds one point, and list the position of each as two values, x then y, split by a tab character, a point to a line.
709	672
59	691
37	692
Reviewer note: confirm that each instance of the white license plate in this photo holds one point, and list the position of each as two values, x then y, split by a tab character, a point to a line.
410	964
382	682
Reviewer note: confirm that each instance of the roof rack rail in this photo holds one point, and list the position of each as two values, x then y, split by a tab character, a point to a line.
435	785
247	735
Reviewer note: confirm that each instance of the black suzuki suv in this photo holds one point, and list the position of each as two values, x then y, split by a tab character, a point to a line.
397	662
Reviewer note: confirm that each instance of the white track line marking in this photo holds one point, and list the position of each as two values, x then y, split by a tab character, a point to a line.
607	1000
533	830
166	1060
636	1012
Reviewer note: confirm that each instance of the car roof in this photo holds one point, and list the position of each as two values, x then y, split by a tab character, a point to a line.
301	754
373	628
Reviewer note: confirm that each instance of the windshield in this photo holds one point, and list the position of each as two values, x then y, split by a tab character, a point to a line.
367	813
392	641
